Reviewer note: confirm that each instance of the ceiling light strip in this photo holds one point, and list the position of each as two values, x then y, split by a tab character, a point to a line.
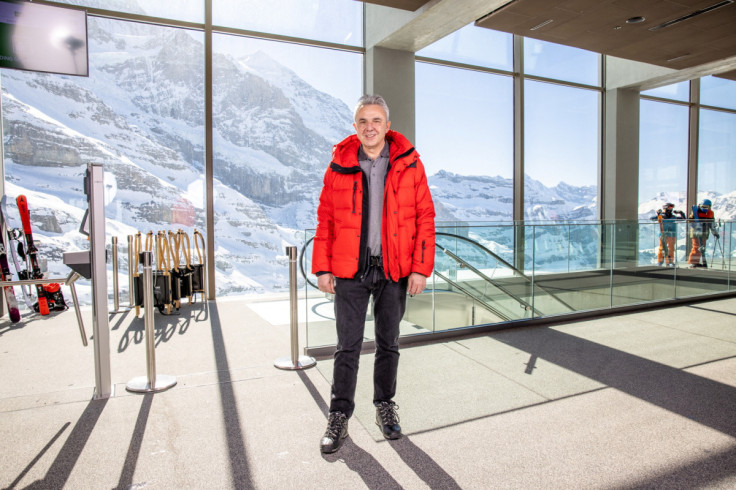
691	15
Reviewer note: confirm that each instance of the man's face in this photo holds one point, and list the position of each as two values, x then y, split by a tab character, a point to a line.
371	126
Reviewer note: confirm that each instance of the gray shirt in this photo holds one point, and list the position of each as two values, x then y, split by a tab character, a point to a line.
375	172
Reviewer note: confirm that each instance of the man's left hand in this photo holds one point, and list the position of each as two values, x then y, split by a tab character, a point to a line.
417	283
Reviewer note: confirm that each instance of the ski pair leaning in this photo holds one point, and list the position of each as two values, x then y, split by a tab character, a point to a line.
24	254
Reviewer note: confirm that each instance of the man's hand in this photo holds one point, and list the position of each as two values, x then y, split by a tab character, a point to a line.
417	283
326	283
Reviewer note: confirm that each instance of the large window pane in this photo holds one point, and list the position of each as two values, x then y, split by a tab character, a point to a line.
663	154
561	151
716	162
278	109
184	10
718	92
560	62
663	151
474	46
140	114
465	136
337	21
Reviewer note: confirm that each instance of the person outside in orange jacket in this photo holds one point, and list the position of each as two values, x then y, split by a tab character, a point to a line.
701	226
375	237
667	217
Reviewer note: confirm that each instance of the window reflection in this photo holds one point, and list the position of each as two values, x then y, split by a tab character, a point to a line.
676	91
663	154
473	45
183	10
337	21
278	110
561	152
465	135
718	92
716	157
560	62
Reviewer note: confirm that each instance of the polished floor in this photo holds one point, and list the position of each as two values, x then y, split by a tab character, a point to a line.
639	400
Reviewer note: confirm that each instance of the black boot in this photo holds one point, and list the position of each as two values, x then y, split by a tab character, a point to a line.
388	420
337	431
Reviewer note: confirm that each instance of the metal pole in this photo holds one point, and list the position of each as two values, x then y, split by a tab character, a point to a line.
151	382
115	292
70	280
295	361
131	285
100	311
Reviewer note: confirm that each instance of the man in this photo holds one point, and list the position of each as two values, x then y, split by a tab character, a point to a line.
375	237
667	233
701	225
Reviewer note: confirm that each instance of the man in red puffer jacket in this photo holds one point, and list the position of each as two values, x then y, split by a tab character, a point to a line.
375	237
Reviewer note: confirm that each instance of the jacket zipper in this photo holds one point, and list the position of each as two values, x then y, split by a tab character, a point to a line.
423	248
355	188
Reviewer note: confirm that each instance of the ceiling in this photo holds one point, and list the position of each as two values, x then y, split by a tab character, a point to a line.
675	34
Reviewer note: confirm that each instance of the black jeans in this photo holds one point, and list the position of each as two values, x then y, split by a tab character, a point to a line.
351	305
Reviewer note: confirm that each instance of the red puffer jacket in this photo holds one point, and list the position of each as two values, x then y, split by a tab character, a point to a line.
408	214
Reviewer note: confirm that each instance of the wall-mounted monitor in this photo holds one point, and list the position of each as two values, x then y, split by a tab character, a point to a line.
43	38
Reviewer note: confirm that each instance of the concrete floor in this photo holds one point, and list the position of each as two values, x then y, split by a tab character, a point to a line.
641	400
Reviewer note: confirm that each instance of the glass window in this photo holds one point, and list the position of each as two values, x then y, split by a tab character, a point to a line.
677	91
465	136
718	92
716	161
278	109
560	62
183	10
336	21
473	45
561	151
140	114
663	154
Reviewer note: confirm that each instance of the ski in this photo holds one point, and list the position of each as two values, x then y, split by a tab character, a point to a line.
31	251
13	311
16	249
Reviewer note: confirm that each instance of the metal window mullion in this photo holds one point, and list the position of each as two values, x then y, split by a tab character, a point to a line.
208	154
693	141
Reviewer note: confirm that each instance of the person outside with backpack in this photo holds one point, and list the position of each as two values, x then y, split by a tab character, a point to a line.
667	217
702	222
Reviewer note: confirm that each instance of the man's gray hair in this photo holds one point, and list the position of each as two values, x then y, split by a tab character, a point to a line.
370	100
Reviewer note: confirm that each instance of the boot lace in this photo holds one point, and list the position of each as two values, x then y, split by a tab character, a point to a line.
335	423
387	411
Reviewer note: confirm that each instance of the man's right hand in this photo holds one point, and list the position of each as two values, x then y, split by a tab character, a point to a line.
326	283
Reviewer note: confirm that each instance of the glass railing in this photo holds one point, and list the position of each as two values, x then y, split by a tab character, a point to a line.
495	273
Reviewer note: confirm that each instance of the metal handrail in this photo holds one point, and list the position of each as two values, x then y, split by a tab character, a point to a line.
464	263
502	261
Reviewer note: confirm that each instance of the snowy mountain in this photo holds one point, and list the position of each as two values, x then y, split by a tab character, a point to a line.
141	114
482	198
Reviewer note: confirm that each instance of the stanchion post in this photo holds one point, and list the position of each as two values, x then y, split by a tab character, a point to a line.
131	261
115	292
295	361
152	382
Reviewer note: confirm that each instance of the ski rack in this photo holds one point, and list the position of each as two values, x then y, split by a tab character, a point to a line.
69	281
